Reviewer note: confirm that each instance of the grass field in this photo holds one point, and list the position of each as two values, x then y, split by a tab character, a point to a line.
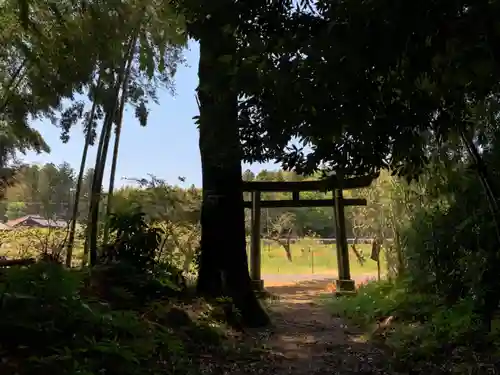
311	257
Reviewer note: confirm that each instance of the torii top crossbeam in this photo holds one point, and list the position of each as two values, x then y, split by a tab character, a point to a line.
328	184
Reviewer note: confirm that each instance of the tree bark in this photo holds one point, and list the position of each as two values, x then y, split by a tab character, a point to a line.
112	104
223	267
285	244
79	182
95	195
118	130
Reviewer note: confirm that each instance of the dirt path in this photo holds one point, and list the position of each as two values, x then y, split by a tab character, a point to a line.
303	340
306	339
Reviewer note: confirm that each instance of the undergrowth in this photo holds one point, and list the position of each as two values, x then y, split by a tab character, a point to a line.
421	332
128	315
50	324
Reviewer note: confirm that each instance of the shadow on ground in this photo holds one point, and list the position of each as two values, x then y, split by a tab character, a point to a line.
306	339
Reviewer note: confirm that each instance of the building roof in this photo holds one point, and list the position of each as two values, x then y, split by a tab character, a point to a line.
38	220
14	222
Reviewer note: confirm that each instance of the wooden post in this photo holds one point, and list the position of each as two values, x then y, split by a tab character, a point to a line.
376	255
312	259
255	250
378	269
344	282
338	245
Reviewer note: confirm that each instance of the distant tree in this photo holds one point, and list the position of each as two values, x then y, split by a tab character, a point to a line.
282	230
84	196
15	210
30	180
248	175
64	190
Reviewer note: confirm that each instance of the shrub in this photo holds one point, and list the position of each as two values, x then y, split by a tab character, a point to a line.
451	243
180	243
130	273
33	242
49	327
423	333
115	318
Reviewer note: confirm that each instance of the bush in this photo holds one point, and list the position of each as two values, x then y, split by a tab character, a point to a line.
118	317
33	242
447	248
180	245
377	300
450	242
48	327
125	315
130	272
423	332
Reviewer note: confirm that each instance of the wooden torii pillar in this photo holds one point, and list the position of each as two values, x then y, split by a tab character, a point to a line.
344	283
255	248
336	185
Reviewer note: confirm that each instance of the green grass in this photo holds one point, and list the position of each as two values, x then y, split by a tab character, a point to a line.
311	257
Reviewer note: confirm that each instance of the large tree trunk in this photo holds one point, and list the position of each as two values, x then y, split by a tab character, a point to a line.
223	262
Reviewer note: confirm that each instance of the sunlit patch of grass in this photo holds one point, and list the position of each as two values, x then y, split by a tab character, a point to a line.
310	256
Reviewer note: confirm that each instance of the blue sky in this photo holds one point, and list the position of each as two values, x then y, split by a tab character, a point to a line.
166	148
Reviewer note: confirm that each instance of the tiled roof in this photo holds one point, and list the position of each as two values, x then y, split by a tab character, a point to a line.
49	223
39	220
14	222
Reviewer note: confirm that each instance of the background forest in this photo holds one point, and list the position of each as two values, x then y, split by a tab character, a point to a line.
48	191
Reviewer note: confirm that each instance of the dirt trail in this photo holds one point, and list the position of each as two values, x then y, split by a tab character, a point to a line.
306	339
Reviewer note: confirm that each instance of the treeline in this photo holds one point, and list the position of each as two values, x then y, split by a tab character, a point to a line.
49	191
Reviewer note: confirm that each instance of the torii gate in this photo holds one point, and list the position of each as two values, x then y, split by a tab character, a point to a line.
335	184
